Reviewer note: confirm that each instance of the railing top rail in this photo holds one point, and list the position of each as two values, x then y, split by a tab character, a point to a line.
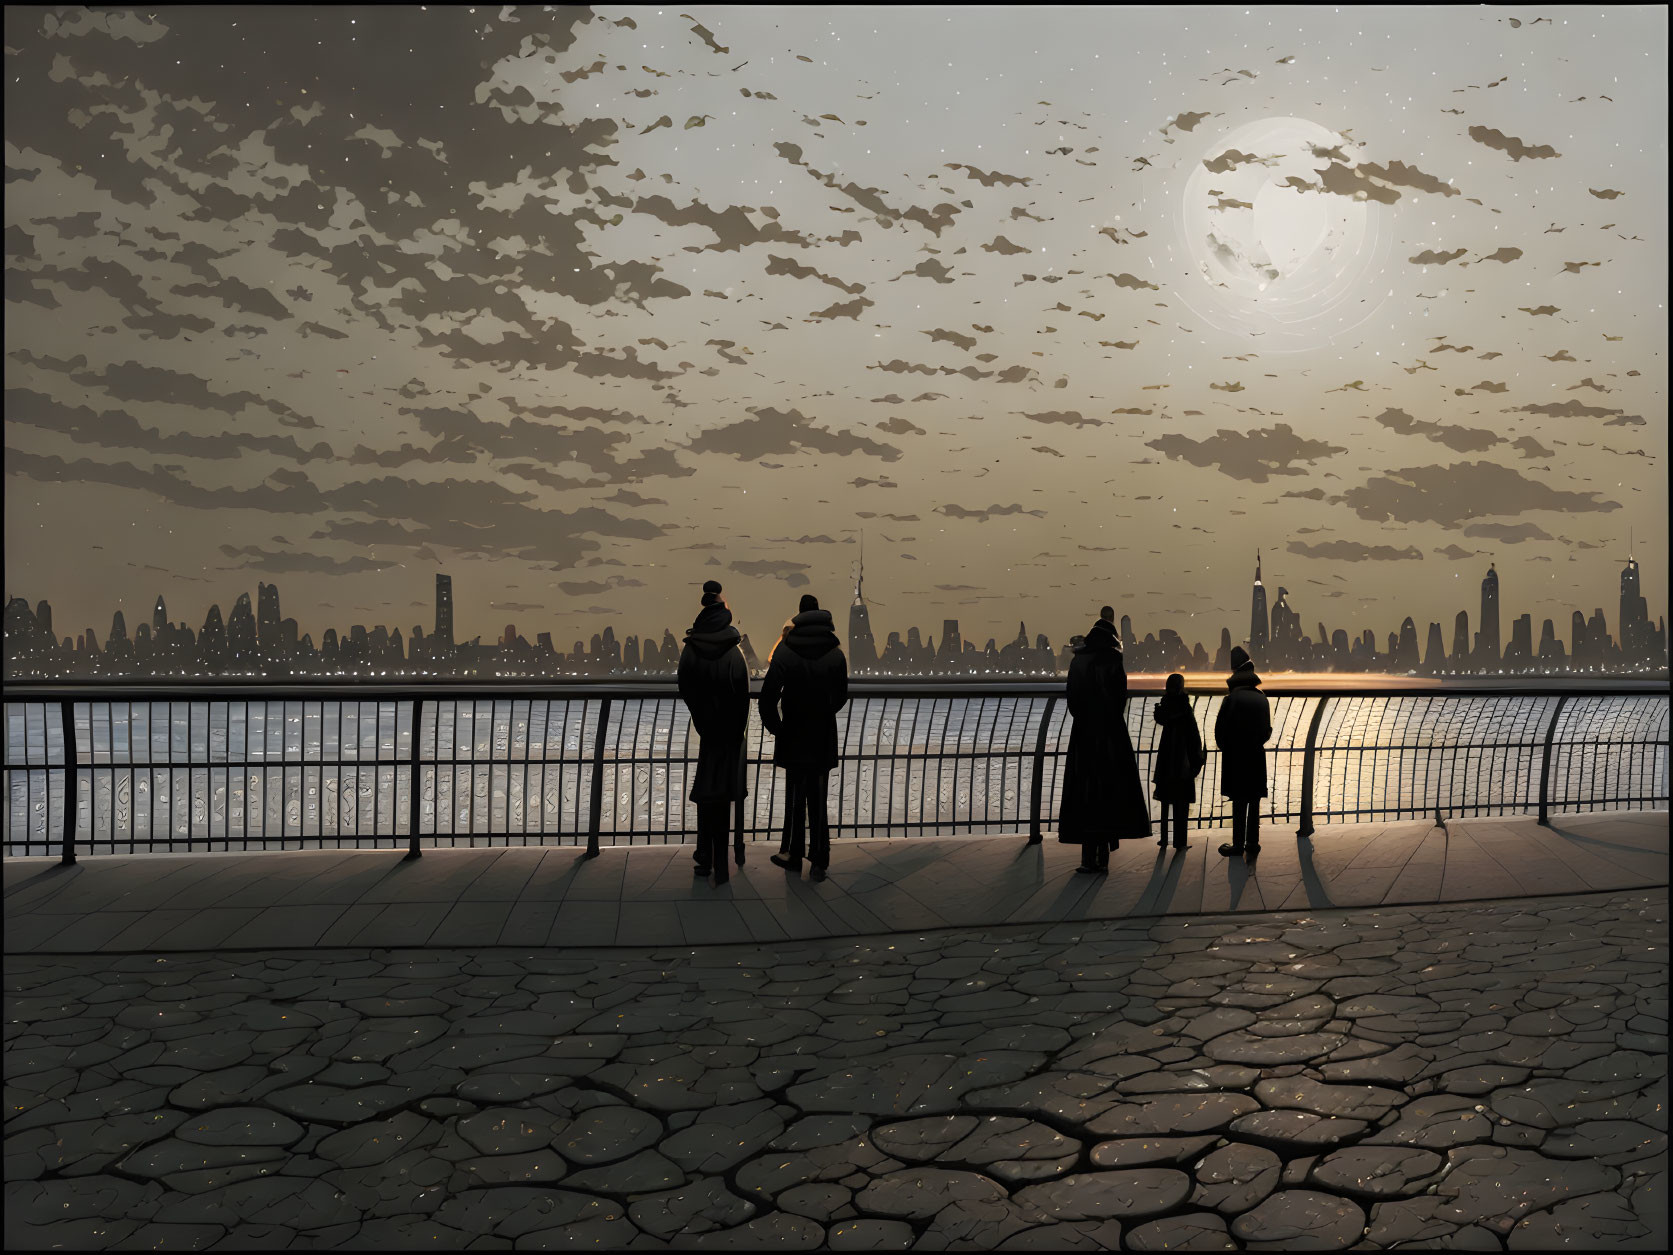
96	690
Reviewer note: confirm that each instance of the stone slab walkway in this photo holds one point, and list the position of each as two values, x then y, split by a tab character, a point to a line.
646	895
1483	1076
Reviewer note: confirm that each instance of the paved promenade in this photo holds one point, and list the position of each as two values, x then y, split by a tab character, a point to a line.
647	895
1464	1074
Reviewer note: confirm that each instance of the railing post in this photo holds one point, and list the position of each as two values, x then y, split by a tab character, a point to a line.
1306	829
597	808
1038	786
1545	765
71	799
412	792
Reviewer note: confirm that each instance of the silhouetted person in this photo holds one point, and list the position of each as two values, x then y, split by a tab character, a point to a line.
806	684
784	833
1241	730
1103	798
1179	758
714	684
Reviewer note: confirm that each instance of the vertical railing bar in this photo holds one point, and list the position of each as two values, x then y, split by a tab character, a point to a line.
66	712
911	746
1545	763
412	791
1307	770
958	757
523	786
1038	786
596	809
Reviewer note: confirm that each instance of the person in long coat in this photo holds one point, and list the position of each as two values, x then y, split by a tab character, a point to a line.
1241	730
714	684
784	833
1179	758
1103	797
806	684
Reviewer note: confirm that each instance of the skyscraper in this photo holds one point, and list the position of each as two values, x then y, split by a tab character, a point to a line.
241	632
267	617
862	649
1258	630
1488	638
159	617
444	615
1635	616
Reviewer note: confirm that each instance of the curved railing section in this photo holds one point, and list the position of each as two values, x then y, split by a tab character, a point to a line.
159	770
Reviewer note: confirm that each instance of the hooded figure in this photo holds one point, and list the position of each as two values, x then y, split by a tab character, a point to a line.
1179	758
1103	798
714	684
1241	730
806	684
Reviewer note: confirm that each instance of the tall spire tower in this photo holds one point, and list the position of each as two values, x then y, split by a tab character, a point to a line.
1259	628
1487	639
862	649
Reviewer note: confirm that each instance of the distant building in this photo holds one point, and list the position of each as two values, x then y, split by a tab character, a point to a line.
1488	638
1258	627
862	648
442	641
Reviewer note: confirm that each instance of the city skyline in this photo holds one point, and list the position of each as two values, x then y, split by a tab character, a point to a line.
590	304
258	640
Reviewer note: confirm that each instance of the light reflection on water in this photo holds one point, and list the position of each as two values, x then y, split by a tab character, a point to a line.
902	772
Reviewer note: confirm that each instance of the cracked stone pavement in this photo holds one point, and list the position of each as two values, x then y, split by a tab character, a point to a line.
1479	1076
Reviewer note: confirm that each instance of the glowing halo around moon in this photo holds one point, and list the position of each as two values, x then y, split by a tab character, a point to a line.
1289	268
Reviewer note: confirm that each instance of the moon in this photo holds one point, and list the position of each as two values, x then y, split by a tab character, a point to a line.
1268	250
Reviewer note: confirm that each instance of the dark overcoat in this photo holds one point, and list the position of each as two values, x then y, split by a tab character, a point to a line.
1179	755
806	684
1103	797
714	684
1241	730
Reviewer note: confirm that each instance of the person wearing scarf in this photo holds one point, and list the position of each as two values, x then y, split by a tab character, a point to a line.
806	684
1103	797
714	684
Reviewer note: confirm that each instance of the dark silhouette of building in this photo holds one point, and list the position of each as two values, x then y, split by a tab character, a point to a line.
1520	650
1403	649
1434	651
1258	627
443	640
268	629
1550	648
1487	652
1284	648
256	642
862	649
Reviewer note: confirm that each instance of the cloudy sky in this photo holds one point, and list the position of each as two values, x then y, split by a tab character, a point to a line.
1060	306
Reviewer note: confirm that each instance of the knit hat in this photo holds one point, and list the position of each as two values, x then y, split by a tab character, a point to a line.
1240	658
809	602
711	592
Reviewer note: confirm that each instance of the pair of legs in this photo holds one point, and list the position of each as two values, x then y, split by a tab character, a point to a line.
1181	811
1246	828
1094	855
712	825
807	825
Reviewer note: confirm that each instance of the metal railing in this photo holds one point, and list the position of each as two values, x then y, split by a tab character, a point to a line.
160	770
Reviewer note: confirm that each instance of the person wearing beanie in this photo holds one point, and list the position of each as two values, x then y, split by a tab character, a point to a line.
805	686
1103	797
1179	758
1241	730
714	684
